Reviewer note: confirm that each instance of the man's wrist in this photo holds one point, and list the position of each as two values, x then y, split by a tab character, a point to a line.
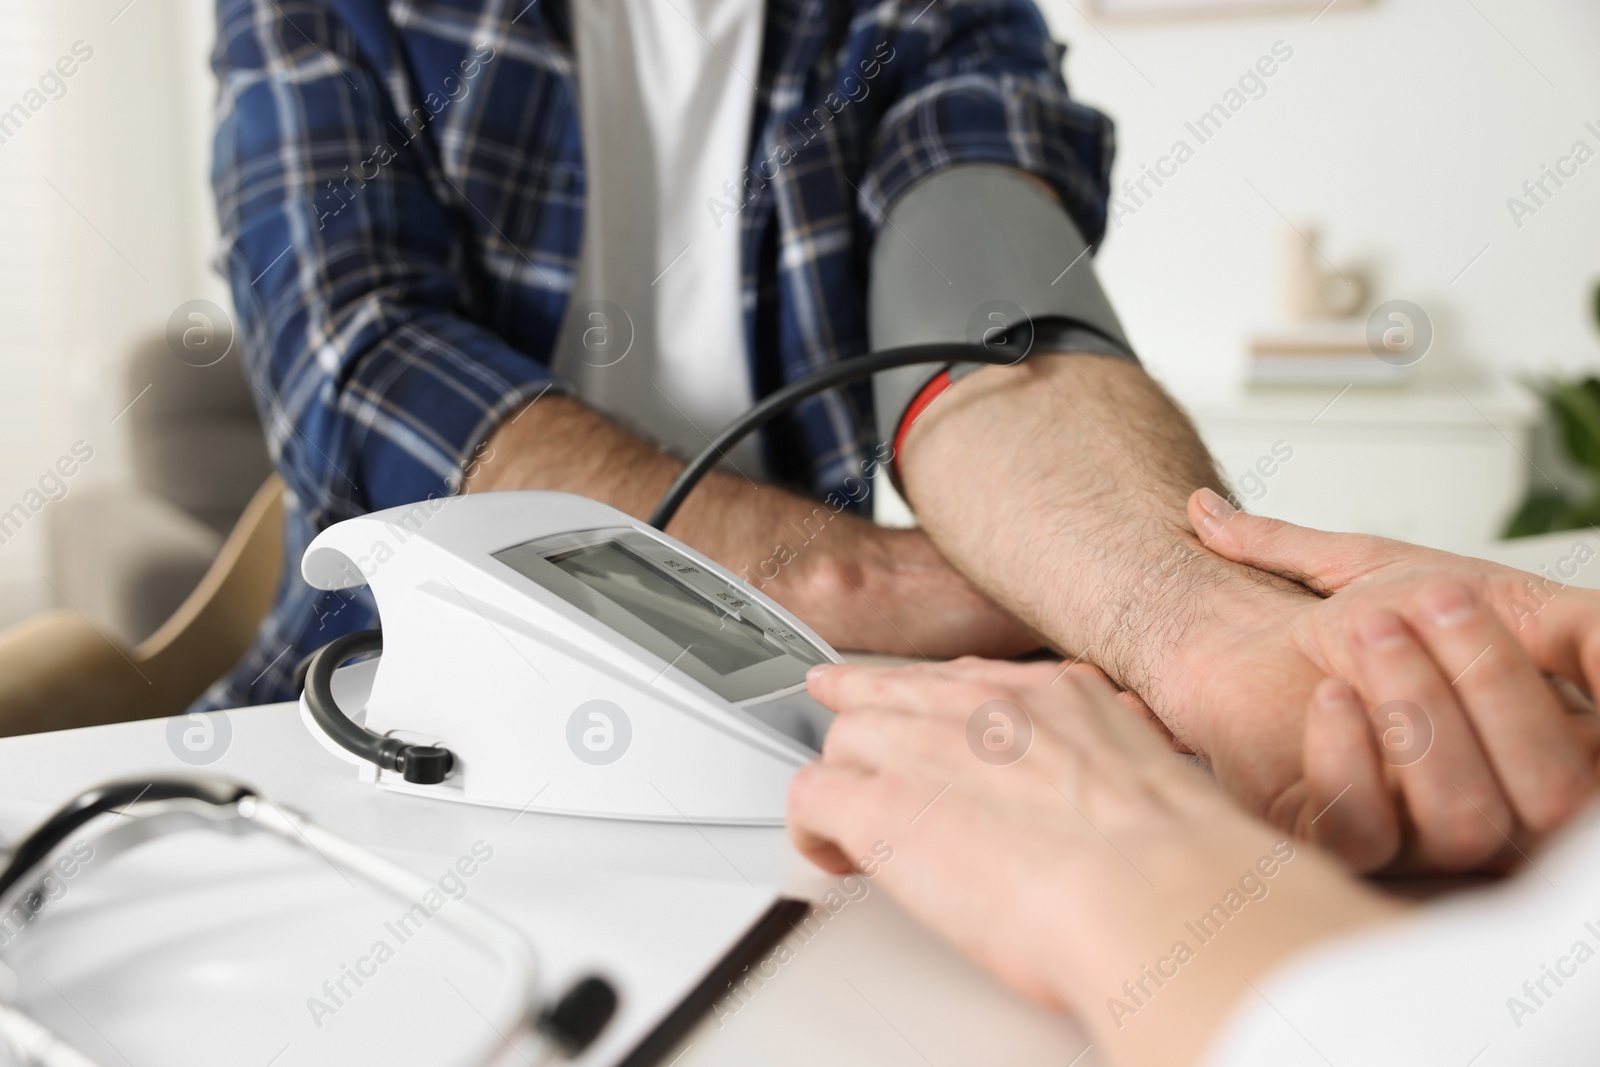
843	563
559	443
1164	635
1159	611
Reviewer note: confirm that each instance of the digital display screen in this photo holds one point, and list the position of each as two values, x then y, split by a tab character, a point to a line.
650	592
721	641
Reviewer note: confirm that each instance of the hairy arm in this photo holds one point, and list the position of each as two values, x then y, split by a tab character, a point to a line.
858	585
1100	557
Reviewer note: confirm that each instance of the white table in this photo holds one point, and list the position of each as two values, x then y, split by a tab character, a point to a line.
870	987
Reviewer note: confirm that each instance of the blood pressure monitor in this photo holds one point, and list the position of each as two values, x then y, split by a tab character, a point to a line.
550	653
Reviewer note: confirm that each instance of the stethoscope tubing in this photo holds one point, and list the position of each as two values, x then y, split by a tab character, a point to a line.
228	808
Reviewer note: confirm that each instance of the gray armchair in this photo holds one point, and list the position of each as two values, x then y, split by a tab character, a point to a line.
167	580
126	557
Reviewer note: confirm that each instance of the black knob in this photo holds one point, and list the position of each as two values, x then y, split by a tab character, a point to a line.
425	764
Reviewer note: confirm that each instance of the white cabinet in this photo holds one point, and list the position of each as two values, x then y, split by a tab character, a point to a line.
1444	468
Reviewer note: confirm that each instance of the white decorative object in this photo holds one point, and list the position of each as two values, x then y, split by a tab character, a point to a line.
1315	289
1322	340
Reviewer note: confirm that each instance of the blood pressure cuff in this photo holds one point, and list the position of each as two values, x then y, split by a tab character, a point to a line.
979	253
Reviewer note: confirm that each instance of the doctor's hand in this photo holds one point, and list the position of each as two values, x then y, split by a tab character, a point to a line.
1065	853
1475	747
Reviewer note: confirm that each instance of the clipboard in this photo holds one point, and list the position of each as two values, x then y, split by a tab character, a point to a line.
770	929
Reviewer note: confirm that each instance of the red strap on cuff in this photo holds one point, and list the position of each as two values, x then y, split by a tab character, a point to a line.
930	392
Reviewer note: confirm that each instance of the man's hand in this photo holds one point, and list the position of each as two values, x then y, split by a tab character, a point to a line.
860	586
1449	653
1068	864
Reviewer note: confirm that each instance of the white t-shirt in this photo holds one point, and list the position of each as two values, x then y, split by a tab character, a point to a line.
1503	976
654	333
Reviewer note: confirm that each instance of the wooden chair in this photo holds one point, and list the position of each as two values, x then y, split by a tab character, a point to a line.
58	671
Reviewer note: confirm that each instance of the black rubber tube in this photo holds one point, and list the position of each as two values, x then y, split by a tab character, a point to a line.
421	764
841	373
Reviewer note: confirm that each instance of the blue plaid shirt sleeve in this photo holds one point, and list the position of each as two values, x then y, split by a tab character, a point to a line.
375	387
978	81
913	88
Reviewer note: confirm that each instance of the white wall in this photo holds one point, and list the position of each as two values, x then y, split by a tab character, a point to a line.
1401	127
107	226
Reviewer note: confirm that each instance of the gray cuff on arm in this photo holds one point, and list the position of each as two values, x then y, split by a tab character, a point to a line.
979	253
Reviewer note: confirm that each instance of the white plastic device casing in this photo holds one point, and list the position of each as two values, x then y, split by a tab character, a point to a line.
492	665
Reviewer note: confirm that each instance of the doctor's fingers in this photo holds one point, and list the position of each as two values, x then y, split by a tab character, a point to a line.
947	688
1560	625
1582	716
1078	719
1524	728
1126	697
1349	809
835	814
878	738
924	689
1082	711
1564	637
1459	813
1013	674
1081	715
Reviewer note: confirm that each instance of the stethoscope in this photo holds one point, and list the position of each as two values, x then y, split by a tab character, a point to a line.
122	815
432	764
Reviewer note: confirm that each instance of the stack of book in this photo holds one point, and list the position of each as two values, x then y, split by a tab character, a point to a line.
1335	354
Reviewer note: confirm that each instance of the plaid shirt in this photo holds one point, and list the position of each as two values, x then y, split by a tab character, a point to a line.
400	188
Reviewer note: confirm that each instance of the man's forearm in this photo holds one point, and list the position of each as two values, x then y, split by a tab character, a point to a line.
559	443
860	586
1058	486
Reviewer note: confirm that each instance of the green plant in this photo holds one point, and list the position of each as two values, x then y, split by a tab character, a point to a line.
1575	409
